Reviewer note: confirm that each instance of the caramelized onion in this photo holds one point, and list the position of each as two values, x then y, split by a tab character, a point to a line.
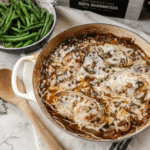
127	128
148	104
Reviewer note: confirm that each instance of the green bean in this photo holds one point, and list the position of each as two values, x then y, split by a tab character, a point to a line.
12	14
15	2
35	7
22	31
44	18
16	7
19	44
42	12
29	3
38	35
27	21
22	26
1	31
35	19
6	14
48	26
24	10
2	12
18	24
3	5
46	22
12	36
3	21
7	27
27	43
18	39
33	11
8	45
20	15
36	23
9	15
24	34
15	29
32	18
32	27
14	17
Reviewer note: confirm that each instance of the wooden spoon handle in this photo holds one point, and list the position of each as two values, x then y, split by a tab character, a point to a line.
47	137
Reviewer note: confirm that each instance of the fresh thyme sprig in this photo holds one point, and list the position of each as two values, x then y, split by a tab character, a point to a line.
4	110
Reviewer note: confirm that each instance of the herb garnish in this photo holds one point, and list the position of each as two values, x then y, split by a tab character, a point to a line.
106	125
90	108
97	82
5	108
136	98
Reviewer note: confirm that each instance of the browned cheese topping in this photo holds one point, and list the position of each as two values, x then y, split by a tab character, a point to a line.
97	86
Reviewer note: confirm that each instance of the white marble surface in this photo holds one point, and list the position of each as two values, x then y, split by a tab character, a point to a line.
15	129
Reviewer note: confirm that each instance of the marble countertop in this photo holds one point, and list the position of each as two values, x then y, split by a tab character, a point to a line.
16	131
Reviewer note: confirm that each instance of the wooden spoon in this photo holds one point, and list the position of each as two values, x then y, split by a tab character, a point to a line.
7	93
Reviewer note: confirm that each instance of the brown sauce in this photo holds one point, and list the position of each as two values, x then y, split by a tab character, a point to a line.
66	70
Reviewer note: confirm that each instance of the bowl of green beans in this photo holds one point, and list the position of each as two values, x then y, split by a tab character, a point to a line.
25	25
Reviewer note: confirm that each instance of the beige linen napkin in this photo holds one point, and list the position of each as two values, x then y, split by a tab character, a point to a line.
67	18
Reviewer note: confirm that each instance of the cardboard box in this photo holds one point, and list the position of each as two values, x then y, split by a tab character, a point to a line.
128	9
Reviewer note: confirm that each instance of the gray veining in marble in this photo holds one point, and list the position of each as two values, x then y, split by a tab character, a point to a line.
15	129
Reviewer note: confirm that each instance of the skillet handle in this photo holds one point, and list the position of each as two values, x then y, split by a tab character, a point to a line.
30	94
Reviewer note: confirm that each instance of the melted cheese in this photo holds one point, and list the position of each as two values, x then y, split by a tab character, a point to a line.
94	68
83	110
